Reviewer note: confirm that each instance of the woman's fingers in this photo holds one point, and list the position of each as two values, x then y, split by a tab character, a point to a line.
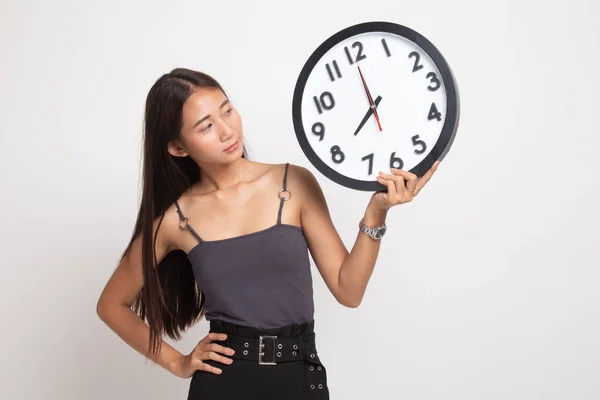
410	178
392	193
202	366
207	350
413	183
217	348
213	336
402	194
201	357
211	355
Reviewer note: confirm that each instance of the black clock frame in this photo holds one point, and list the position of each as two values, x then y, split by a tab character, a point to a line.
442	146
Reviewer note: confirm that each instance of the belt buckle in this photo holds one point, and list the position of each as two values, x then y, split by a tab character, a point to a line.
261	353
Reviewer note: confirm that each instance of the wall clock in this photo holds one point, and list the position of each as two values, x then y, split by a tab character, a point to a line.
375	96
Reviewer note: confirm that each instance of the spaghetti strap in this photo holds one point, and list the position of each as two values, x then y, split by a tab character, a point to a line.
184	223
283	198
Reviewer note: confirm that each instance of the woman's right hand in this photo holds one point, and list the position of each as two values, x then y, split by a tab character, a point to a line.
204	350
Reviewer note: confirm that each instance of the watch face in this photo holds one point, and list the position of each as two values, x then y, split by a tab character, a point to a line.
372	97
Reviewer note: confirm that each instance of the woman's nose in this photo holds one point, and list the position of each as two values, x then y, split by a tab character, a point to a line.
226	130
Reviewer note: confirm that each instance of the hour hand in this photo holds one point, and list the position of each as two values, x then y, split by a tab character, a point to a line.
367	115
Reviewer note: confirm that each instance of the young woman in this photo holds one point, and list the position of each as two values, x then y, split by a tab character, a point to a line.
220	236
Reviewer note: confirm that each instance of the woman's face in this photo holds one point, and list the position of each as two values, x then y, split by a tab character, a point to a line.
211	132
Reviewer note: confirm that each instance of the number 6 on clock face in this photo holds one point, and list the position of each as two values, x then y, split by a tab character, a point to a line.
372	97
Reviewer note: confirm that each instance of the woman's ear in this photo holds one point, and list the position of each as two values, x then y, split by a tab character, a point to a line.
176	149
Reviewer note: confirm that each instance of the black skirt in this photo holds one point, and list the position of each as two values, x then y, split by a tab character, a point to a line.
269	364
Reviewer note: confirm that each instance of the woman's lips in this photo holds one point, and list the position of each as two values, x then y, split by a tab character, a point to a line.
232	147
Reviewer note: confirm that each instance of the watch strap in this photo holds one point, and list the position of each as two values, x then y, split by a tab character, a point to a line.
375	233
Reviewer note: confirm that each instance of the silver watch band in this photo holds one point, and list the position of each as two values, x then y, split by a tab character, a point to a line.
375	233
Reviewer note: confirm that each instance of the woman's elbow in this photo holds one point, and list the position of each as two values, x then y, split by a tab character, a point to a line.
102	308
349	302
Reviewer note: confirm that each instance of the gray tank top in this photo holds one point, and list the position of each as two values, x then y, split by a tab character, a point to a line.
261	279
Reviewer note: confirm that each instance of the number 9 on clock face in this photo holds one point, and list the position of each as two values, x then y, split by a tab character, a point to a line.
372	97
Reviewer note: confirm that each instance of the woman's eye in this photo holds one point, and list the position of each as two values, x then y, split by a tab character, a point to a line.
207	128
228	111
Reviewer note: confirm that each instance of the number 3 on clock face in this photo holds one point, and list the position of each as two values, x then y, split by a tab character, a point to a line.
372	97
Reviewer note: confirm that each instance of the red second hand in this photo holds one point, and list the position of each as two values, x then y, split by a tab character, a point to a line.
373	106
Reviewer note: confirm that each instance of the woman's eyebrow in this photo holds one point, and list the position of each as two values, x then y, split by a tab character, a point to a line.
208	116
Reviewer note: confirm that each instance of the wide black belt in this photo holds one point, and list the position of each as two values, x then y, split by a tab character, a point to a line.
272	350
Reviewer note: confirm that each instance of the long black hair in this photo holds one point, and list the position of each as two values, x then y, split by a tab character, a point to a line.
170	300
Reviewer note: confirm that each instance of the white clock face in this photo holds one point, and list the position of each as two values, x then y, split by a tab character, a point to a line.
403	81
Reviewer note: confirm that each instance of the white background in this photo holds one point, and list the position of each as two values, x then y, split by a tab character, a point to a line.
487	284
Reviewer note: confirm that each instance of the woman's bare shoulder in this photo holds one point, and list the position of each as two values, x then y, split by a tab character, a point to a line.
304	186
303	178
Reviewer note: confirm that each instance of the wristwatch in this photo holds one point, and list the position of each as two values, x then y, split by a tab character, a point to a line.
375	233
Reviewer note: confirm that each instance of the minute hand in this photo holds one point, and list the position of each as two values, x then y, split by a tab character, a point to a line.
373	106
